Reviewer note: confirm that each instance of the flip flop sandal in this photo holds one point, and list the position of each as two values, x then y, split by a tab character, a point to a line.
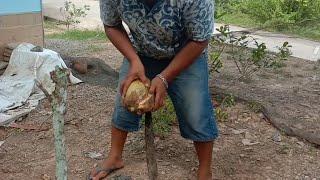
108	171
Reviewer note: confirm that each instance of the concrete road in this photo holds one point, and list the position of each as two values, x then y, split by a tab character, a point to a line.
302	48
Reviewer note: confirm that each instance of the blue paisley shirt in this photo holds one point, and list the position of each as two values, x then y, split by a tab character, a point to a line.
162	30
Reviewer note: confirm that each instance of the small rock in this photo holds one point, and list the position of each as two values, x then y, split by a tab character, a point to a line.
268	168
247	135
37	49
242	155
93	155
277	137
1	143
166	164
188	160
238	131
261	116
45	177
215	149
300	143
247	142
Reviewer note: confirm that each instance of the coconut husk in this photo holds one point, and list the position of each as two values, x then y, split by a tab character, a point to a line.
3	65
137	98
80	66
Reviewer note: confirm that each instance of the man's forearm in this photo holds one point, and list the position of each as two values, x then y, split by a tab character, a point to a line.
184	59
119	38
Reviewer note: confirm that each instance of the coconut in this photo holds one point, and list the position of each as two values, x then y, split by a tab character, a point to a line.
138	99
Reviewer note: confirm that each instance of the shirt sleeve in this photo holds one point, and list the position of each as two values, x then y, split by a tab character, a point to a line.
109	13
198	19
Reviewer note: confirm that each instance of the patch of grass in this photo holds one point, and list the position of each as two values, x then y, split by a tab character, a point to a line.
164	119
50	24
221	115
254	106
238	19
310	31
284	149
79	35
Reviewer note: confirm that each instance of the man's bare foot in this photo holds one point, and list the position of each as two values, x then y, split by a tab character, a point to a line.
108	165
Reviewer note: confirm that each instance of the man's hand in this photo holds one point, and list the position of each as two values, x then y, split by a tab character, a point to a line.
136	71
160	92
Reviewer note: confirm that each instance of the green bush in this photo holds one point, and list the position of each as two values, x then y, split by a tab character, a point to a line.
71	13
247	60
282	13
79	35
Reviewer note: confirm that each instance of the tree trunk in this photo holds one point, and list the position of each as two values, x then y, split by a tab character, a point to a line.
150	148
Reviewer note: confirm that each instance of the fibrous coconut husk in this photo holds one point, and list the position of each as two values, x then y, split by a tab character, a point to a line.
137	98
80	66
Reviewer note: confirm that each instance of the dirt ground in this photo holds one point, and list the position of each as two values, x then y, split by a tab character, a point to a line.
246	148
290	95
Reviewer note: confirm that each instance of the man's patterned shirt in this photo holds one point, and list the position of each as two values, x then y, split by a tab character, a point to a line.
162	30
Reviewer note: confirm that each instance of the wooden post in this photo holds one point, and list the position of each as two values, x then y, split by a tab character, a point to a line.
58	100
150	148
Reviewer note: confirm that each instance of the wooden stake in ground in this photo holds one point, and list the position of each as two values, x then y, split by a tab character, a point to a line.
150	148
58	100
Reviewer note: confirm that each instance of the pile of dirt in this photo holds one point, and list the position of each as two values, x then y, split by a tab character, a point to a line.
97	72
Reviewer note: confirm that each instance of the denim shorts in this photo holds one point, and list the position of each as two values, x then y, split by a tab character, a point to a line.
189	93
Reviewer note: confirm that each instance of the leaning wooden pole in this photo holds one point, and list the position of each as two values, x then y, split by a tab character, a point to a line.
150	148
58	103
58	100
